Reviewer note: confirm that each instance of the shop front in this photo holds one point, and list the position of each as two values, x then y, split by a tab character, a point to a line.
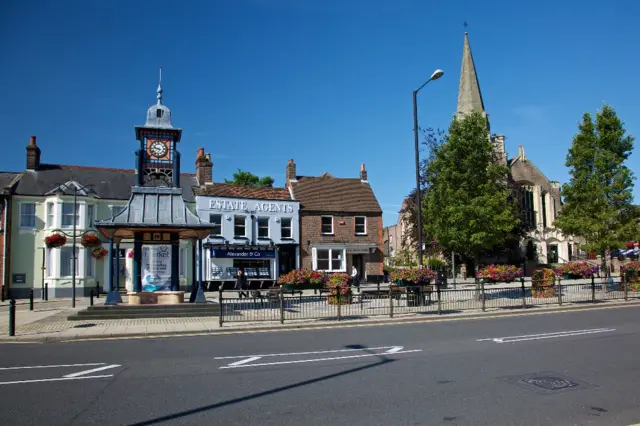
259	235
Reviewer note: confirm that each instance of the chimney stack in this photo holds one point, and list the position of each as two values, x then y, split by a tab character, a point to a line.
290	172
363	174
33	155
204	168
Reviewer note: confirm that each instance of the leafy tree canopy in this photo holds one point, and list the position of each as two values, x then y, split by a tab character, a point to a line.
249	179
598	200
468	204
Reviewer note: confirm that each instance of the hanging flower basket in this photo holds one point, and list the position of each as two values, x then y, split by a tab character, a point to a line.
500	273
99	253
90	240
55	240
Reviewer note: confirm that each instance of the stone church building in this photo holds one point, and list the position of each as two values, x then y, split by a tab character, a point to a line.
539	198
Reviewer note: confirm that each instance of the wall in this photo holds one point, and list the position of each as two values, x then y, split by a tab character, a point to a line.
310	234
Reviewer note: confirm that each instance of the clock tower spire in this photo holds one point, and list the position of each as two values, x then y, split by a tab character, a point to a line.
157	159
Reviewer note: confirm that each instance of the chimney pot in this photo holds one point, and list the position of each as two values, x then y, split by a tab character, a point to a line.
290	172
33	154
32	142
363	173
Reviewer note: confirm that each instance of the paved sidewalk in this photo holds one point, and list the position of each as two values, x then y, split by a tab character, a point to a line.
47	323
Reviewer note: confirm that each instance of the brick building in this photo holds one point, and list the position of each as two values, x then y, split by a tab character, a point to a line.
340	223
8	182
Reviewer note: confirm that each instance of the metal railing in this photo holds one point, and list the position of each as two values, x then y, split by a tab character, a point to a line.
391	300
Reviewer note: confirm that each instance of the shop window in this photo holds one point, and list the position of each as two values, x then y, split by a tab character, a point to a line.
27	215
329	259
239	227
285	228
361	225
216	224
327	224
263	227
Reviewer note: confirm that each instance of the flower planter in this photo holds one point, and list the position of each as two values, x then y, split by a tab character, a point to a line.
55	240
543	283
543	291
500	273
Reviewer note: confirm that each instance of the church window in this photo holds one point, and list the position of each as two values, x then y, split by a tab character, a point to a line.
544	210
159	113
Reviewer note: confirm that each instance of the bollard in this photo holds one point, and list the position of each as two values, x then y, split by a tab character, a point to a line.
46	292
221	305
2	292
524	293
12	317
98	290
626	286
593	289
31	299
91	297
42	292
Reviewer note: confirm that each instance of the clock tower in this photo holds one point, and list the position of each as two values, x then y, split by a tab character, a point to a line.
157	158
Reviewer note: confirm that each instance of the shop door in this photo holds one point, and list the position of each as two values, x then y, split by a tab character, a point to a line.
286	260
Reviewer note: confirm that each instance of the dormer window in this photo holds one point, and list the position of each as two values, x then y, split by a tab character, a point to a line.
159	113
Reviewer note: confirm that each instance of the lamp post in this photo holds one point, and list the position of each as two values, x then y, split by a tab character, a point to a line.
436	75
73	236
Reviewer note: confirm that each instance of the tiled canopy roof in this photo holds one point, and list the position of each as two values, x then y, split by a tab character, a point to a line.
154	208
329	194
230	190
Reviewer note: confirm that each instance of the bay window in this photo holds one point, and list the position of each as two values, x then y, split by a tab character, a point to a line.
66	259
68	214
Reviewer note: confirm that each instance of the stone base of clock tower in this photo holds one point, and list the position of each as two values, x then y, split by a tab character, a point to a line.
156	297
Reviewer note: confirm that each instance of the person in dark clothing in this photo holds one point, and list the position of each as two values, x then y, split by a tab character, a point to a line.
241	283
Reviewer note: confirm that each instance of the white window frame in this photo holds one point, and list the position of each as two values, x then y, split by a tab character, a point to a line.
116	210
91	215
322	226
330	251
70	215
258	219
51	214
244	225
355	225
70	260
213	233
90	269
284	228
23	215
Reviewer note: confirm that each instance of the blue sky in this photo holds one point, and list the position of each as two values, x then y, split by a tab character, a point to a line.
327	83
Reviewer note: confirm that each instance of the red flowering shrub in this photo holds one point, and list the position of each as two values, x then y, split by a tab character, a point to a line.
631	272
343	282
543	283
414	276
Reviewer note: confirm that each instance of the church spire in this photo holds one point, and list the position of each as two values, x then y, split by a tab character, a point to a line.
469	95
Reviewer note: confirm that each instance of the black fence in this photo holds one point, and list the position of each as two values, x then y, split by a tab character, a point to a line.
391	300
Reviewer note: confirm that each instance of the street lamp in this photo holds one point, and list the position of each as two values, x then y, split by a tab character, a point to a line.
76	188
436	75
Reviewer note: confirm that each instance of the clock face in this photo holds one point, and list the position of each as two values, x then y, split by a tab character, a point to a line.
158	148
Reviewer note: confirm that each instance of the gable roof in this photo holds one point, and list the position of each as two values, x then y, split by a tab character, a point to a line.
7	180
239	191
109	183
329	194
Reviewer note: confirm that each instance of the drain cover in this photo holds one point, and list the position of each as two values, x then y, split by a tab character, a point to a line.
549	382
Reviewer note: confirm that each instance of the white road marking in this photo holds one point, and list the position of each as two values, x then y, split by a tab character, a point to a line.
307	353
50	366
394	350
93	370
58	379
314	360
244	361
526	337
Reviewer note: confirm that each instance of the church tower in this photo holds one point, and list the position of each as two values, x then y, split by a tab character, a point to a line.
157	159
470	97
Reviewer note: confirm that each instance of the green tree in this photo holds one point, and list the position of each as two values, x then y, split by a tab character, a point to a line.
249	179
598	200
468	204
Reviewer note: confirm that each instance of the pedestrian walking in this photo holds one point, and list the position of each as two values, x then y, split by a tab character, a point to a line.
241	283
354	276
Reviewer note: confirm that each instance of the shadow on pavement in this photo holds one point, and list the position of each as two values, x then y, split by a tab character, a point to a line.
383	360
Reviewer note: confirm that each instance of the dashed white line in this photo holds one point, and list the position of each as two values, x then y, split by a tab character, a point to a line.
50	366
57	379
308	353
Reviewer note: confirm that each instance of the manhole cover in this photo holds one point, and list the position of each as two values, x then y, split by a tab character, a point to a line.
549	382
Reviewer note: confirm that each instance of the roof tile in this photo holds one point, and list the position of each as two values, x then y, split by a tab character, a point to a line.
239	191
329	194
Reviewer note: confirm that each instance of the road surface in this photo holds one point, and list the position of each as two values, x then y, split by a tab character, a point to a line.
571	368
